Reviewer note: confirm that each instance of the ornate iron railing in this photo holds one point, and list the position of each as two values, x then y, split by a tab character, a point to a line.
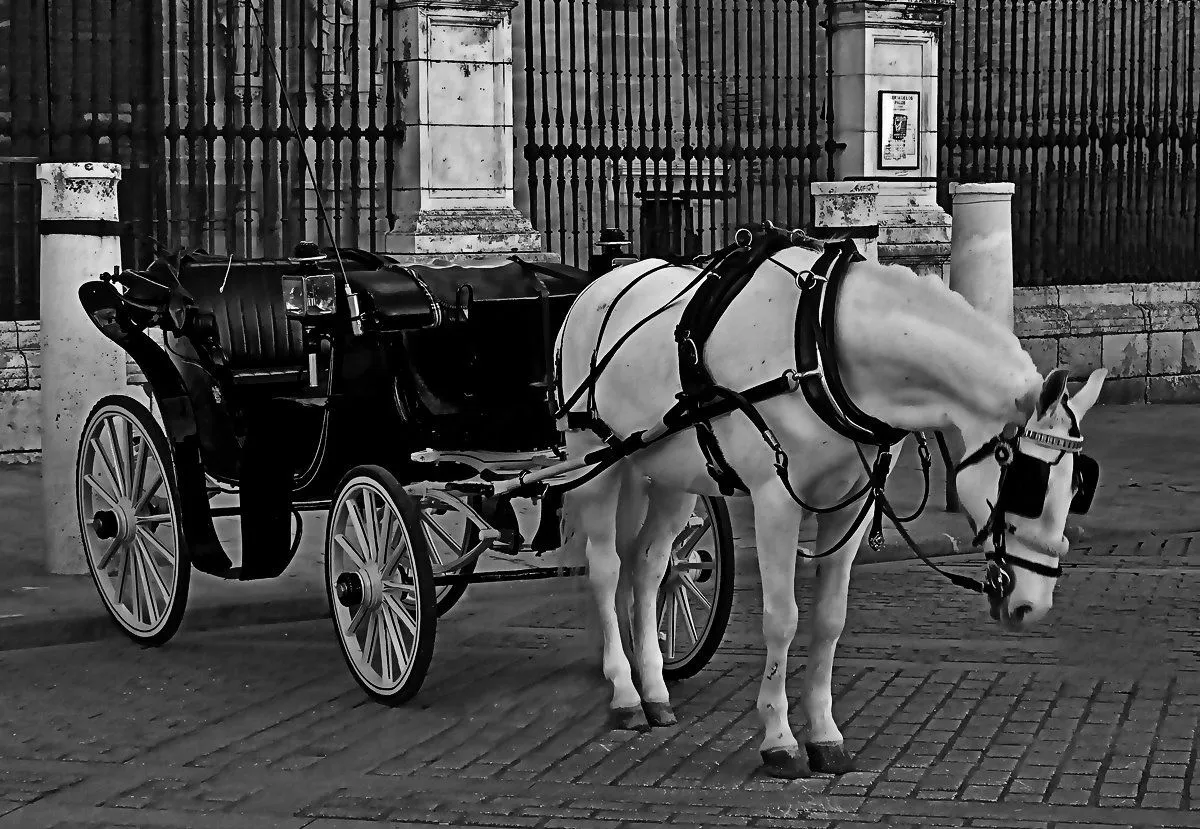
1090	107
673	120
193	100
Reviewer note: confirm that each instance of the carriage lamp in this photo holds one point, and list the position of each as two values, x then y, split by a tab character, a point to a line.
308	289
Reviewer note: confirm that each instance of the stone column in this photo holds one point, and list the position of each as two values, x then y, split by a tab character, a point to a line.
892	46
79	364
850	207
454	191
981	262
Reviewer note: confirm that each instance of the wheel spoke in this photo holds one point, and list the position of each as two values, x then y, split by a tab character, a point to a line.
161	518
153	543
443	534
402	615
350	552
139	469
135	586
356	521
109	499
399	587
370	638
395	638
696	566
357	619
113	546
148	561
688	619
393	561
671	624
690	587
143	584
148	493
386	651
383	532
124	576
119	459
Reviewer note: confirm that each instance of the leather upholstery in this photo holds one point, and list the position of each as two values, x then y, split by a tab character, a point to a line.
254	330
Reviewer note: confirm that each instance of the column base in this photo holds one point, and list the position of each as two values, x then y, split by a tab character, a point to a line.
916	237
465	231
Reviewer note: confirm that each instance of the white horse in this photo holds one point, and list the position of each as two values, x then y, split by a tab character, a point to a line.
911	353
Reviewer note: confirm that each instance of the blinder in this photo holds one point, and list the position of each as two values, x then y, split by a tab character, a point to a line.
1087	474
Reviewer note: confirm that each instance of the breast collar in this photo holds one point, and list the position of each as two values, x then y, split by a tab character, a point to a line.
816	352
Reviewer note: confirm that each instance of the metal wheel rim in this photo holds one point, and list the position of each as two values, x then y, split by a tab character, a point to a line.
688	594
121	472
368	535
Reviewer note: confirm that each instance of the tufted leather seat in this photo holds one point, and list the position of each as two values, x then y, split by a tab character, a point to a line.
260	342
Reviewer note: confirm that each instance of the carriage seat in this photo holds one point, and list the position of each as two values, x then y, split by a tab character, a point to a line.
260	343
404	296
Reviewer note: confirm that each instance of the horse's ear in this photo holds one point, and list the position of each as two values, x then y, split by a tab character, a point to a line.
1085	398
1052	391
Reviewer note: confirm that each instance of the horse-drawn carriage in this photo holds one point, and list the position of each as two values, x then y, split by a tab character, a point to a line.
409	402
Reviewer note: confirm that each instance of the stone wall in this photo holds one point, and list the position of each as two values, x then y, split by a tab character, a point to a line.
1148	336
21	390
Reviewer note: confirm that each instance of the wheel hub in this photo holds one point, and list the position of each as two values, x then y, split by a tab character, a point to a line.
120	523
105	524
354	588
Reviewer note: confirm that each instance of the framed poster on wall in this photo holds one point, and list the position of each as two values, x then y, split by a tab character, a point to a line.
899	130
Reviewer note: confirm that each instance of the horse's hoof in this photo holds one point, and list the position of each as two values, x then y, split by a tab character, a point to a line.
659	713
829	758
628	719
784	762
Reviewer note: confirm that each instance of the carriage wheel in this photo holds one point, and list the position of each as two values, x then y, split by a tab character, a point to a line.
380	584
696	594
128	505
452	528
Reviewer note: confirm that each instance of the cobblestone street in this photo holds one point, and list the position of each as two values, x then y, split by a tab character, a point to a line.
1090	721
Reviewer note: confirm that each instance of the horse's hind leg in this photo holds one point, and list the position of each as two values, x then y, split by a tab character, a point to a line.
826	751
594	507
667	514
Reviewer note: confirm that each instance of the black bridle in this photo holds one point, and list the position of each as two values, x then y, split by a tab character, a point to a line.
1024	483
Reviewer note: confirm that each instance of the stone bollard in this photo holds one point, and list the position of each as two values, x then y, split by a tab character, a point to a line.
79	364
981	248
849	207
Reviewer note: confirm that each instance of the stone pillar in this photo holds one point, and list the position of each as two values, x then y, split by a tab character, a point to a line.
891	46
454	195
850	207
981	261
79	364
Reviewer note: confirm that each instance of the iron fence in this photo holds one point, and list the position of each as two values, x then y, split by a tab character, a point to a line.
1090	107
673	120
212	107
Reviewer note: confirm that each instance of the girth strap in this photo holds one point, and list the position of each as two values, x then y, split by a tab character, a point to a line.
696	324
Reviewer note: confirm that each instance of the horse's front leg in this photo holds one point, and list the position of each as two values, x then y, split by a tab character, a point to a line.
776	525
826	750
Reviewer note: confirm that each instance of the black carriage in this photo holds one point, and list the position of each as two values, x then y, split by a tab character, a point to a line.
392	396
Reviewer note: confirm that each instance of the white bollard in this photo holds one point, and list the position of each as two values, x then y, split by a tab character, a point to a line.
79	364
981	248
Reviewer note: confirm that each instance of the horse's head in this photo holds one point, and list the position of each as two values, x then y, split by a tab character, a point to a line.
1019	489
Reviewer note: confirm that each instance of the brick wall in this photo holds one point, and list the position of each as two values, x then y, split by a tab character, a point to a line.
21	390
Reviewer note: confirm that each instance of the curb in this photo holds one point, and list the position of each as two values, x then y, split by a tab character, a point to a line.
24	634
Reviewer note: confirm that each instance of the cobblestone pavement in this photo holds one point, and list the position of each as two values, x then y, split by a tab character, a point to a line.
1089	722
